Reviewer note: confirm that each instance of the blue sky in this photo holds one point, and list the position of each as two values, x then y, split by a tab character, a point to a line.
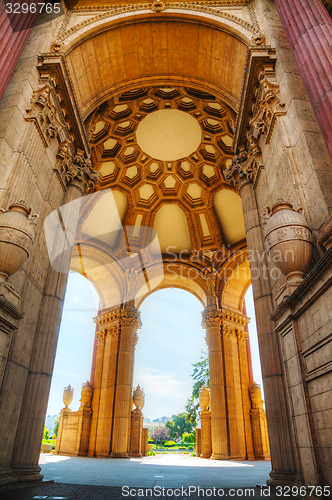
170	340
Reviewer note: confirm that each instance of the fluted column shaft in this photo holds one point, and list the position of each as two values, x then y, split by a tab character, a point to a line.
129	322
309	31
15	30
97	377
242	337
237	442
107	391
211	323
31	423
284	464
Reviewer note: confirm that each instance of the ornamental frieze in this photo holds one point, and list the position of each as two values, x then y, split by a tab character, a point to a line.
45	112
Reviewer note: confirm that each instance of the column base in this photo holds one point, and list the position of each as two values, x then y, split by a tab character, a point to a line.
204	456
237	457
135	455
7	477
119	454
283	479
26	474
219	456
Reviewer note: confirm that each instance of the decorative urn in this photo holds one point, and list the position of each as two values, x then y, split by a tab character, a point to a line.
68	394
86	394
17	233
204	398
256	396
138	398
289	241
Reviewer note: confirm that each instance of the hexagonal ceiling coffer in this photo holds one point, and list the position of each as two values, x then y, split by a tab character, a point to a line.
146	192
120	111
132	175
125	128
169	182
209	152
186	169
194	191
211	125
129	154
225	142
111	147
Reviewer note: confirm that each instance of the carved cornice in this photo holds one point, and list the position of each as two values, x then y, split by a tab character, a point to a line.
212	8
53	67
259	63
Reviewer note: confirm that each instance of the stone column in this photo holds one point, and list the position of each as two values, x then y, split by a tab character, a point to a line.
97	376
130	322
211	322
32	415
259	427
237	444
107	390
309	31
15	30
283	457
242	338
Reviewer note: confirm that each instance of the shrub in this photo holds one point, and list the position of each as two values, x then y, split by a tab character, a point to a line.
151	454
170	444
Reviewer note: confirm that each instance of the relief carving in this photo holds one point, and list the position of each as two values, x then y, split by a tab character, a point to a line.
266	108
246	166
44	110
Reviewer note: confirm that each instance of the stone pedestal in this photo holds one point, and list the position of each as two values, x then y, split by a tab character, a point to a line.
206	444
136	433
198	442
145	439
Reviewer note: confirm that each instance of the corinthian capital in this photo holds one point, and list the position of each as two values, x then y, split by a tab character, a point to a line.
211	318
130	317
75	169
246	166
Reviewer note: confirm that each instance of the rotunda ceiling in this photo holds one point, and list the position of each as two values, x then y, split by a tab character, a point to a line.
168	145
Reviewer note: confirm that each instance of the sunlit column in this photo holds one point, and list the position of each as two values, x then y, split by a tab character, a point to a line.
129	322
242	337
233	394
99	359
211	322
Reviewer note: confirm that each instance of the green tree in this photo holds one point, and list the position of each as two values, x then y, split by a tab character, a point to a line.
178	425
201	377
188	437
56	426
46	433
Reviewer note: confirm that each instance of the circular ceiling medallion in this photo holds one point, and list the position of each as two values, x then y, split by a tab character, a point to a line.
169	134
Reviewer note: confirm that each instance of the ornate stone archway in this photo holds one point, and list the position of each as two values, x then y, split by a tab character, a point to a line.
73	93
